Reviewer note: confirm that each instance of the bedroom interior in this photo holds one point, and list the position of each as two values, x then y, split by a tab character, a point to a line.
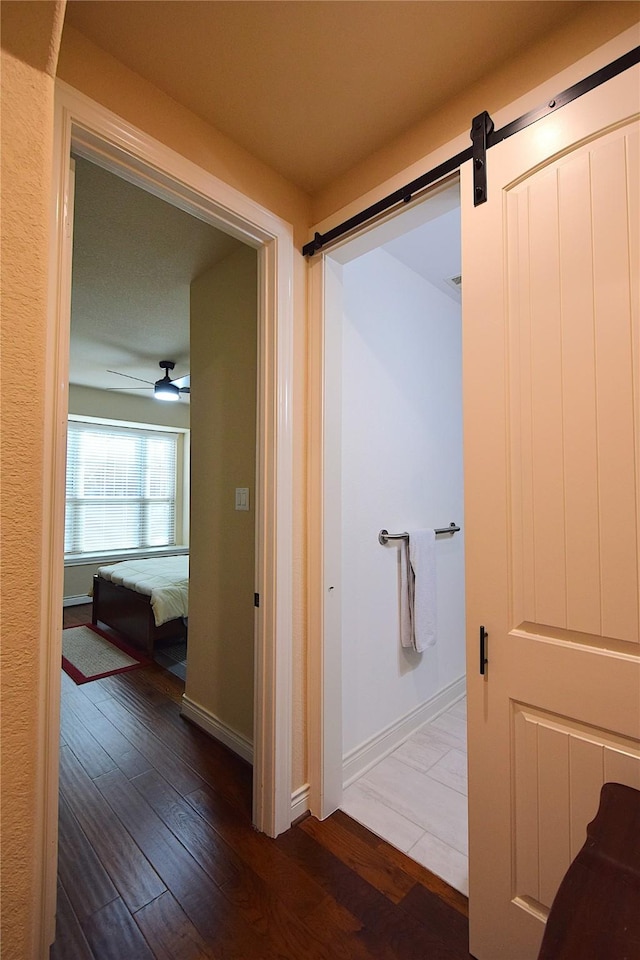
136	260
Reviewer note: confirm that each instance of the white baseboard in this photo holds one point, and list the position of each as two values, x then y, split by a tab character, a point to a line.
239	744
217	729
362	758
76	601
299	802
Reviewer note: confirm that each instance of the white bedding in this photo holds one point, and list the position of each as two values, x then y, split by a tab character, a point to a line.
164	579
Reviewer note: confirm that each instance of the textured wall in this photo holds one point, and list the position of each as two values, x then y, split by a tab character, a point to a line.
30	34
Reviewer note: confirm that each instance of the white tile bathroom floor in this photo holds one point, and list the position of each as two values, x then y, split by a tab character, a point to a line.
416	798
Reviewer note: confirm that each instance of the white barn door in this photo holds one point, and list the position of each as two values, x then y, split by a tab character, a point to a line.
552	464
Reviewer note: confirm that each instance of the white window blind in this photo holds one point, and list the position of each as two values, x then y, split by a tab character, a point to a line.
121	488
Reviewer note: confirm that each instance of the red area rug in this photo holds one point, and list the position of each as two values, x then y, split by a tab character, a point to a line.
88	653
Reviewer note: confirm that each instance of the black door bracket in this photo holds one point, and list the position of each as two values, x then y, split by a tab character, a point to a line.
481	128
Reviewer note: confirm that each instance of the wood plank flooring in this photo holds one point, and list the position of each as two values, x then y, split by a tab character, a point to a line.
158	857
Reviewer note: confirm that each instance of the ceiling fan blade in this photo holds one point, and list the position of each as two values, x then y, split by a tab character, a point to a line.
129	388
185	389
118	374
182	382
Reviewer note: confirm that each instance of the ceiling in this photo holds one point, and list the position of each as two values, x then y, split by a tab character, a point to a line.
134	257
313	87
433	251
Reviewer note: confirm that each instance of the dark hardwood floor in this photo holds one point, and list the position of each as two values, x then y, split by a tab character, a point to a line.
158	857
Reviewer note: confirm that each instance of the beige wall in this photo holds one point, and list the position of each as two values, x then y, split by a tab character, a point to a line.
78	579
115	405
223	431
30	35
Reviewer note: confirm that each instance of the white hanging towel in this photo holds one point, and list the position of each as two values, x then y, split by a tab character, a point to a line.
406	595
418	622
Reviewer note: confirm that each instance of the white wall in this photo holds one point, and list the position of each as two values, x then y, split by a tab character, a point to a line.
401	469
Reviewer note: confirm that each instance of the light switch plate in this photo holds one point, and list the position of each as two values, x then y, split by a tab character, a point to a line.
242	498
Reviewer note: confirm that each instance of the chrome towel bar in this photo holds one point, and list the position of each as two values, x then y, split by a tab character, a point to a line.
384	536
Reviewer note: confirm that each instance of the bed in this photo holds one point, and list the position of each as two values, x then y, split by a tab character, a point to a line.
146	600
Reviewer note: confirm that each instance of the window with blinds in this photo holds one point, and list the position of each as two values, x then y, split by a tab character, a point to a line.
121	488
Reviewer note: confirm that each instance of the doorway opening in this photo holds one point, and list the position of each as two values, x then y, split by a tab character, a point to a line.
393	461
148	278
84	129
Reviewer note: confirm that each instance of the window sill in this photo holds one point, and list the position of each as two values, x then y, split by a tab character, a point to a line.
93	559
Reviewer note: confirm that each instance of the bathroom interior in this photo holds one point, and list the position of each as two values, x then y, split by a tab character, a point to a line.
394	443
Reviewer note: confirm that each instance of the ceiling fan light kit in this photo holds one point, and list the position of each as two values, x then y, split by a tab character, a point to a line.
164	389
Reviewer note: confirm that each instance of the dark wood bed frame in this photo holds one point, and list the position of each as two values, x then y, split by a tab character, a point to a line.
131	615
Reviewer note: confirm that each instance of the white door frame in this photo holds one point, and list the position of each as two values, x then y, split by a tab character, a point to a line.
325	348
324	703
106	139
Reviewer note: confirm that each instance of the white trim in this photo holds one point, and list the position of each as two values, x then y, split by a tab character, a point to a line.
91	559
113	143
273	707
324	647
324	736
212	725
356	763
77	601
132	424
299	802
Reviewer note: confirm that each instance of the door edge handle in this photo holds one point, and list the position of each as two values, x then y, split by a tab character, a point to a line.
483	650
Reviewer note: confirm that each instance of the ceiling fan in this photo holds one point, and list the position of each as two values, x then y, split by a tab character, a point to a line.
163	389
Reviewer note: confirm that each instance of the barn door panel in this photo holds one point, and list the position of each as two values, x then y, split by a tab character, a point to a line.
552	461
